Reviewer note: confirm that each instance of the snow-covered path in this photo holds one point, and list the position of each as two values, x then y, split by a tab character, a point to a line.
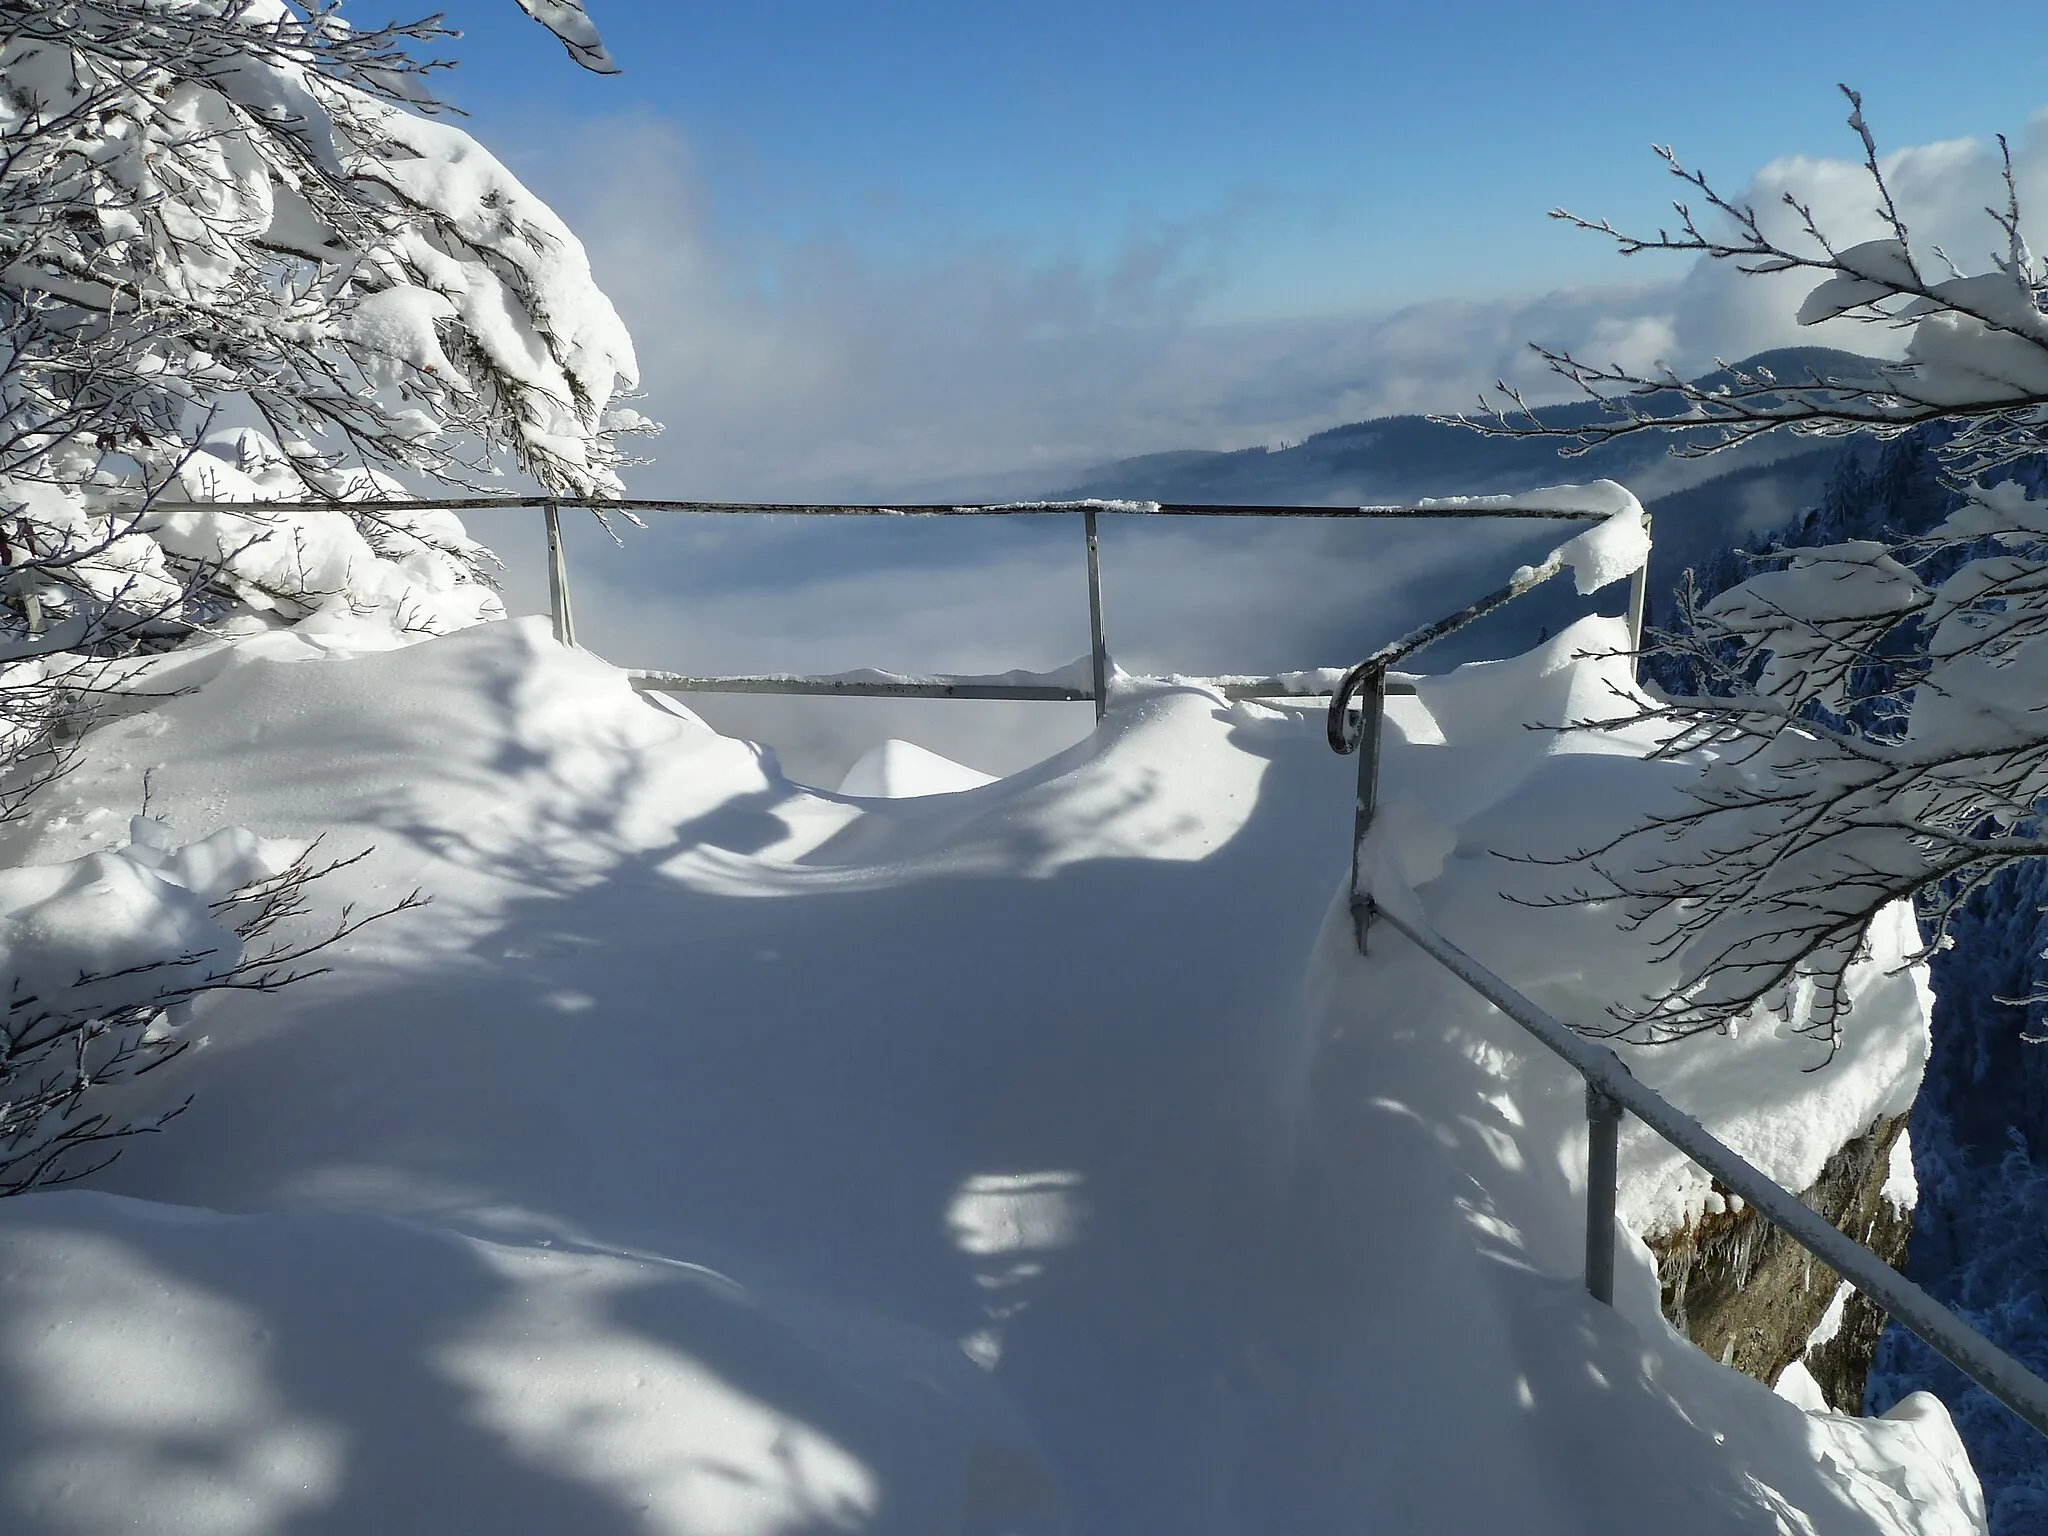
720	1156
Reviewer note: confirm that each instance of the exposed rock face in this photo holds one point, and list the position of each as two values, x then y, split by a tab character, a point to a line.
1752	1298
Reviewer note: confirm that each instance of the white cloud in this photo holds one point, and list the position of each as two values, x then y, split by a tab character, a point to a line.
1942	191
788	367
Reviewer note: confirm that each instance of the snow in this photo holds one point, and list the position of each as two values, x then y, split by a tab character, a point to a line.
518	280
1091	503
1310	682
106	931
718	1156
1901	1188
1610	550
1804	613
319	567
1797	1386
899	770
1831	1320
572	24
1595	499
1874	270
1617	545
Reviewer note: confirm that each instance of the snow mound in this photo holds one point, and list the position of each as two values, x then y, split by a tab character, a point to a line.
301	1365
902	770
717	1156
1617	545
1463	755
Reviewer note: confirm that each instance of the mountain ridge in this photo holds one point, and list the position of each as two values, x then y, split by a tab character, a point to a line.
1391	459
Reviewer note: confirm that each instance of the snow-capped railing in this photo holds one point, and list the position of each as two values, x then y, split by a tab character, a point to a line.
1067	683
1089	681
1619	542
1379	892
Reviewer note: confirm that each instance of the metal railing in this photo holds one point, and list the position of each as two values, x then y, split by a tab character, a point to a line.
1021	686
1014	686
1611	1089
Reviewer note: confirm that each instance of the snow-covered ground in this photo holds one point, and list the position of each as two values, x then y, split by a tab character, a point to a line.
716	1155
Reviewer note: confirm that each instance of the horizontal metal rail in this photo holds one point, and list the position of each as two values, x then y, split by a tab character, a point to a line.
1369	683
937	686
636	505
859	687
1343	735
854	685
1280	688
1608	1077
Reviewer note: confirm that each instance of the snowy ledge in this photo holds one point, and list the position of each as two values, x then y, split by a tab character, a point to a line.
741	1157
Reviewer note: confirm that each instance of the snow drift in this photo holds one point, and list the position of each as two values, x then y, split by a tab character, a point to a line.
716	1155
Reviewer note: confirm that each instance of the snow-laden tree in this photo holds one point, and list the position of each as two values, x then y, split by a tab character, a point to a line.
1870	718
241	259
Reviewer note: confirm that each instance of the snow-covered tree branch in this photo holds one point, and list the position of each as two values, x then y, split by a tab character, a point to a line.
1869	719
104	957
1976	354
241	215
242	258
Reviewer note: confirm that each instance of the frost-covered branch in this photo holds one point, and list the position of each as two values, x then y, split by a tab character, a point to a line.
241	259
1977	354
1868	719
244	210
1869	723
125	943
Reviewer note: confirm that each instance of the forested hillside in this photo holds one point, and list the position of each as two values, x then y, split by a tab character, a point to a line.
1980	1125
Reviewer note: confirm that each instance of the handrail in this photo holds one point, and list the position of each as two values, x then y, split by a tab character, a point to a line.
1611	1089
871	685
1343	738
1100	669
883	509
1367	682
1019	686
1607	1076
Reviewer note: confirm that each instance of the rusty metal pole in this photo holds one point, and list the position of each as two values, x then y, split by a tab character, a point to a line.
1372	704
558	577
1639	597
1098	647
1603	1171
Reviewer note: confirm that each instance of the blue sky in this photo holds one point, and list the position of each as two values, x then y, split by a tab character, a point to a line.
919	249
1308	156
966	251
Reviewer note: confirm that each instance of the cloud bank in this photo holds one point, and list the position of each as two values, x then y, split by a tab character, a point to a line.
796	366
791	367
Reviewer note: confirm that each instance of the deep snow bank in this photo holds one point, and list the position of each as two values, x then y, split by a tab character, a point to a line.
717	1156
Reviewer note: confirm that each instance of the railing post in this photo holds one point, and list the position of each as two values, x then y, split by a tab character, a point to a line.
1372	705
1098	647
1638	597
1603	1170
558	578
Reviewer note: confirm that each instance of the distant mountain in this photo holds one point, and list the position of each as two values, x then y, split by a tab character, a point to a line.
1399	458
1701	508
